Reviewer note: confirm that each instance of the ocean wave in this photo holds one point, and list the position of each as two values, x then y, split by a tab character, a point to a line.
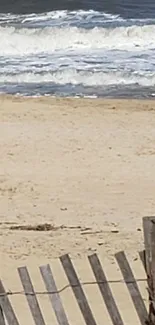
58	17
85	78
71	51
48	40
85	18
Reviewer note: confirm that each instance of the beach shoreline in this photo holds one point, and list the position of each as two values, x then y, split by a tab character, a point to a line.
85	166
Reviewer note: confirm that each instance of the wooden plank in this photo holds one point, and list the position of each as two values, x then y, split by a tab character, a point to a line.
54	297
77	290
31	298
149	241
105	290
143	258
148	229
2	320
6	308
132	287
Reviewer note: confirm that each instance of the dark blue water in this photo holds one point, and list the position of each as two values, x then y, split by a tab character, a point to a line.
125	8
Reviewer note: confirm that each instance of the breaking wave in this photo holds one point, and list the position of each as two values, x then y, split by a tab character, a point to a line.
86	78
49	39
87	48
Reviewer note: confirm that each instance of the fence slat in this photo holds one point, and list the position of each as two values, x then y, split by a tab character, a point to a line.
105	289
132	287
143	258
54	298
31	299
148	229
7	308
149	241
77	289
2	320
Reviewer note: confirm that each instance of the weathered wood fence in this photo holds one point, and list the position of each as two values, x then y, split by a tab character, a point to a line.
8	315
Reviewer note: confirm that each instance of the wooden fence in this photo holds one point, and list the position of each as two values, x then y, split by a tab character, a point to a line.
8	315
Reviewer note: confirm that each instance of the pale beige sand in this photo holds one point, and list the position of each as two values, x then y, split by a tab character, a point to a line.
74	162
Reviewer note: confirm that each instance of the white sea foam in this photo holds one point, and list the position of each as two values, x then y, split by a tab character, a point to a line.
31	41
86	78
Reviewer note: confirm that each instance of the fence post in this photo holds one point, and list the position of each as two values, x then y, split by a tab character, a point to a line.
149	241
2	320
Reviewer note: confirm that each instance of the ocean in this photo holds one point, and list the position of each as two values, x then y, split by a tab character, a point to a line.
79	48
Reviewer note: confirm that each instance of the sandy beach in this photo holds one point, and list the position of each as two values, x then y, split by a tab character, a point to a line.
85	166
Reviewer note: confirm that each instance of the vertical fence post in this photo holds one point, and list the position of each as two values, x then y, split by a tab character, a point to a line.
149	241
2	321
